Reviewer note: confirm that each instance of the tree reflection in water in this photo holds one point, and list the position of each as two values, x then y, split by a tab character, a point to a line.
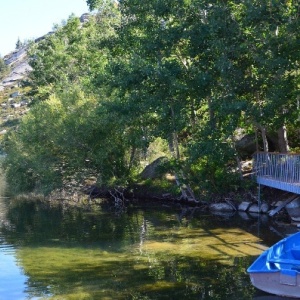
143	254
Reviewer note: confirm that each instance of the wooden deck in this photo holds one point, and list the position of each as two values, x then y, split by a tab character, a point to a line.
280	171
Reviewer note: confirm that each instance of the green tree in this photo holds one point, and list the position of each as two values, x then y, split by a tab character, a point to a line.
93	4
270	33
69	134
190	72
19	44
172	74
67	57
4	68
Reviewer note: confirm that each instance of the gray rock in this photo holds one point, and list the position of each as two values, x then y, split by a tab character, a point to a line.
293	209
15	105
254	208
85	18
152	170
246	144
15	56
24	103
264	208
244	206
221	207
15	94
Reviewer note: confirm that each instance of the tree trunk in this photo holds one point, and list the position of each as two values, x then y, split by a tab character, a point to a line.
237	158
283	140
263	131
186	191
132	156
239	165
256	140
260	127
264	137
174	137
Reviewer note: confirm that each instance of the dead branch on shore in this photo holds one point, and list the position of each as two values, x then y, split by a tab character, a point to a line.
187	193
119	198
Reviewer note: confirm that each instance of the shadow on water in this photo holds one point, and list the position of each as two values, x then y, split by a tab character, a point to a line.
150	253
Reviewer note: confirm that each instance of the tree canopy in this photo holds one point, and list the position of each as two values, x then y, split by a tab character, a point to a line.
190	72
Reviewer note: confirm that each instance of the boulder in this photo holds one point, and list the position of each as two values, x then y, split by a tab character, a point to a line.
85	18
245	144
153	170
244	206
264	208
222	206
254	208
293	209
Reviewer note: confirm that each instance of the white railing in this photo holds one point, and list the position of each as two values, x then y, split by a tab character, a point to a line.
278	170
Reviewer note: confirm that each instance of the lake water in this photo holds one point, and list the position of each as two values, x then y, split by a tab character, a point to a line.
146	253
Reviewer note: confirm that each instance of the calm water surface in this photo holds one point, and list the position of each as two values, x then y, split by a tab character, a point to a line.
145	253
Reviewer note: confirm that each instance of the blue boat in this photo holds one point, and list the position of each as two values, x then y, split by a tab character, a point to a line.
277	270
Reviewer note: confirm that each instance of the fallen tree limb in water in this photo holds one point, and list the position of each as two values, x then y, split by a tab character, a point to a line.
119	198
187	193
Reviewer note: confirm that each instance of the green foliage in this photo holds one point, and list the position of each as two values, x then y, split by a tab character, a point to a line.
93	4
212	165
62	140
186	72
19	44
60	60
4	68
157	148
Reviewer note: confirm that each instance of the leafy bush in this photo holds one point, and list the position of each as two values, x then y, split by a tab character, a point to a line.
4	68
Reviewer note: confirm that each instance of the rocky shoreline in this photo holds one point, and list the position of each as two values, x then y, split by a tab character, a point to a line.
273	203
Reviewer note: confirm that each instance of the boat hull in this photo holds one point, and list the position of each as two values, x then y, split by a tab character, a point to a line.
275	283
277	270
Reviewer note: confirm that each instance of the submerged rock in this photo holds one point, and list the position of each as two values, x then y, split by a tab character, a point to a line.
223	206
